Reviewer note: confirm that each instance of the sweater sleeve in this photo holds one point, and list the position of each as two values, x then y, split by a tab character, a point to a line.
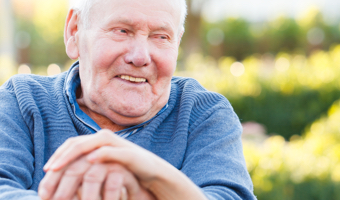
16	151
214	158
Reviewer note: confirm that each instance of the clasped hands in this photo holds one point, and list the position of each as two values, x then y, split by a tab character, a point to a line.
100	166
105	166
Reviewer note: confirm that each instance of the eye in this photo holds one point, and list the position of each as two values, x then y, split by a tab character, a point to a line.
122	31
161	37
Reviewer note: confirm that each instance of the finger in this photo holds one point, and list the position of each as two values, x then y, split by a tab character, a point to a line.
92	182
49	184
123	194
71	179
131	185
79	191
67	187
75	198
142	163
113	186
59	151
130	182
85	145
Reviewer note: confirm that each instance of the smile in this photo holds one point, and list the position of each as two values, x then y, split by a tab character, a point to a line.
132	79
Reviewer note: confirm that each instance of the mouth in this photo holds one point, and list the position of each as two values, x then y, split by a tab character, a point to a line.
132	79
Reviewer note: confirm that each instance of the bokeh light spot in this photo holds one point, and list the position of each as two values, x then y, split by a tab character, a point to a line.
24	69
215	36
53	69
237	69
282	64
315	36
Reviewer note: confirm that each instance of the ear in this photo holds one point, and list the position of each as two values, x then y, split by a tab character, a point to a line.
180	37
71	36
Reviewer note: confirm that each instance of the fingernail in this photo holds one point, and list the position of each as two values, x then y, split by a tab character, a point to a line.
46	167
54	167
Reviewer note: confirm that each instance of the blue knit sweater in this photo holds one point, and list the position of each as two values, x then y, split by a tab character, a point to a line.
198	133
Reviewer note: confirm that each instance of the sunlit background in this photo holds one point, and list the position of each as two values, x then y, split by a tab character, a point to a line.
278	62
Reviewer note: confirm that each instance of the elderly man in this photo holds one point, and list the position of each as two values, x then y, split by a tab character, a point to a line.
132	131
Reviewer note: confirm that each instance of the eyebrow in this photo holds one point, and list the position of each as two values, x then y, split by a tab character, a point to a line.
164	26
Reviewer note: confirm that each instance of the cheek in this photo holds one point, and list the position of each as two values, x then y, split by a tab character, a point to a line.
165	59
167	64
105	53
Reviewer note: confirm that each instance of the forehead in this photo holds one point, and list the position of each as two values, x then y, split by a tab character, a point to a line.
157	12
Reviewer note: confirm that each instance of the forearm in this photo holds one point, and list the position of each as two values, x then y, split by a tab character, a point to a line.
17	162
172	184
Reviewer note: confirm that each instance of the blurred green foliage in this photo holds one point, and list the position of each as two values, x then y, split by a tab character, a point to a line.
44	23
242	39
285	93
306	167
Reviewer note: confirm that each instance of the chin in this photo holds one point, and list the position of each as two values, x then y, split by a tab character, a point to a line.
136	111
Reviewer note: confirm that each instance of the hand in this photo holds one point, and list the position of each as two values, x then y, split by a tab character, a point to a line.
83	180
141	162
153	173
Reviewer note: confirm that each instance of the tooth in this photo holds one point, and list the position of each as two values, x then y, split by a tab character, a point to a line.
133	79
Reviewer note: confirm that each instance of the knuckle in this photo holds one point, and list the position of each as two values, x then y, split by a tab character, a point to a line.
92	177
69	141
114	181
116	167
46	185
73	170
61	196
78	146
105	133
111	186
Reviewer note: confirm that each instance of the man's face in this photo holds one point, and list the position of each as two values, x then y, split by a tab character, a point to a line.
127	57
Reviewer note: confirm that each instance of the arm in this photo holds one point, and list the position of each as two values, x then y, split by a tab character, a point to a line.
154	173
214	157
16	150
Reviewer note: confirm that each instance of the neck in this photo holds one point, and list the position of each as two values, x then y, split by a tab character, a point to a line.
102	121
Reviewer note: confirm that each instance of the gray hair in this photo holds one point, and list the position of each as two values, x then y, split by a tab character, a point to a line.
83	8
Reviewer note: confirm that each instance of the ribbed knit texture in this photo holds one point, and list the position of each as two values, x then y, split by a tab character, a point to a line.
198	133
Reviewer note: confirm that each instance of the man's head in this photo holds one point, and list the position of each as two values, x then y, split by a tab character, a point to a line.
83	7
127	53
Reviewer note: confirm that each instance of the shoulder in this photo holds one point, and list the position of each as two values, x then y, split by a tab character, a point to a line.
190	90
30	93
29	83
197	104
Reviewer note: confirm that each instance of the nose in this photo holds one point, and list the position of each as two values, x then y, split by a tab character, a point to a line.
138	53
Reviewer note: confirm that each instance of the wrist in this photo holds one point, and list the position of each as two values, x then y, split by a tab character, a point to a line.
172	184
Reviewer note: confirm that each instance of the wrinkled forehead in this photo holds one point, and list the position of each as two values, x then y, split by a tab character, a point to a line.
100	9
